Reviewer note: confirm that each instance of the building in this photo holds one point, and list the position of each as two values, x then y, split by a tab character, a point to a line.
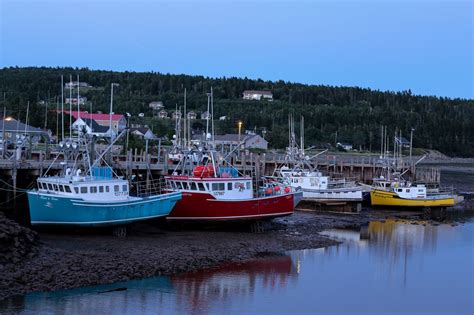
73	100
191	115
91	127
205	115
143	132
12	130
344	146
73	85
402	141
223	118
230	141
119	122
156	105
163	114
176	115
257	95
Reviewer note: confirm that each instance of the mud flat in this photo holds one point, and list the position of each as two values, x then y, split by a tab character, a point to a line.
73	259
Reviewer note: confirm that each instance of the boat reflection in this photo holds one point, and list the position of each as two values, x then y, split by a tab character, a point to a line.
231	282
193	292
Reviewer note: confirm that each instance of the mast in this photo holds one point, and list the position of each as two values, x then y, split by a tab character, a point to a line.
302	135
208	113
185	134
62	107
78	107
212	114
70	106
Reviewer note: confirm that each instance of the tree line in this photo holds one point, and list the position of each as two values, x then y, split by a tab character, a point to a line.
332	114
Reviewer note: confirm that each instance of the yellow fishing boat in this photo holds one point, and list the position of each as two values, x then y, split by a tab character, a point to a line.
404	194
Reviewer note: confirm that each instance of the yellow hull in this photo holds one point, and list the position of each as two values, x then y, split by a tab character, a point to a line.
391	199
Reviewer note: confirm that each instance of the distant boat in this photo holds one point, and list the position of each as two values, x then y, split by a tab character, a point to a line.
97	199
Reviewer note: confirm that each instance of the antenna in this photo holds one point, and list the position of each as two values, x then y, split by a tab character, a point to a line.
78	107
208	113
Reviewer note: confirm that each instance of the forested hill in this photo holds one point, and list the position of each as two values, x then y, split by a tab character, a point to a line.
356	114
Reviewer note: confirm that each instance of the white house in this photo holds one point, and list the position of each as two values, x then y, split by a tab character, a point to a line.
163	114
257	95
205	115
91	127
156	105
143	132
191	115
73	100
345	146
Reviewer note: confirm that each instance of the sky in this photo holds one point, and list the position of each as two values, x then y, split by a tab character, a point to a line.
425	46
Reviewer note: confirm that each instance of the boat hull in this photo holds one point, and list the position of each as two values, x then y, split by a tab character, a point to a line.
195	206
391	199
48	209
330	196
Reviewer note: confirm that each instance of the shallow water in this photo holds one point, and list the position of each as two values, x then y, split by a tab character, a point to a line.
387	268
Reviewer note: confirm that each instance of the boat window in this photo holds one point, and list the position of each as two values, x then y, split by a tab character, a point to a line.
67	189
107	189
56	187
101	189
408	190
50	187
124	187
40	186
229	186
76	190
61	188
420	190
93	189
83	190
247	185
400	190
201	187
193	186
116	188
207	185
218	186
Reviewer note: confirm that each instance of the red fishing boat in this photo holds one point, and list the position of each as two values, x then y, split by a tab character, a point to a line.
212	193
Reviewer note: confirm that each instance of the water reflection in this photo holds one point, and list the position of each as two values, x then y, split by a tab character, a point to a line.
387	267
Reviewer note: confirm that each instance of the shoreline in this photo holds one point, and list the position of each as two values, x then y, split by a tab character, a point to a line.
71	260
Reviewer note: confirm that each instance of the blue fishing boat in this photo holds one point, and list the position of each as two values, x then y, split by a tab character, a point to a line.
97	199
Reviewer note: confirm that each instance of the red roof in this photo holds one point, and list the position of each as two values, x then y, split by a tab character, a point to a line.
115	117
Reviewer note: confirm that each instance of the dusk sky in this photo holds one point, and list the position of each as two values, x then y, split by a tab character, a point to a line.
425	46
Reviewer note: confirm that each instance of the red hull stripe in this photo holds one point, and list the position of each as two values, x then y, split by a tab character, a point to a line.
232	217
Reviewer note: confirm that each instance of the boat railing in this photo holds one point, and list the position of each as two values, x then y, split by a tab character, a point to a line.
147	188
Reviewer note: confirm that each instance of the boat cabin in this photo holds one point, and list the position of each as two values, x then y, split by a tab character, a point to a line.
221	188
402	189
305	179
86	187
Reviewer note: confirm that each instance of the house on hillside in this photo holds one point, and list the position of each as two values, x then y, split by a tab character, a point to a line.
73	85
91	127
205	115
119	122
344	146
249	141
143	132
191	115
156	105
176	115
163	114
405	143
73	100
257	95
